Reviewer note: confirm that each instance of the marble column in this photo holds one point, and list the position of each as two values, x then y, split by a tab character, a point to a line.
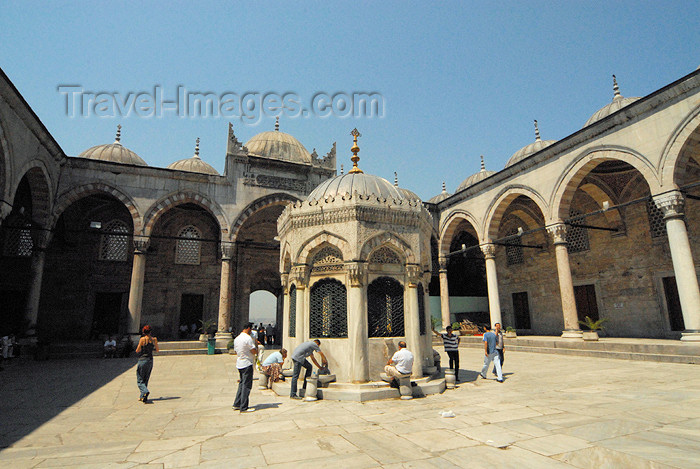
301	278
224	321
411	322
444	294
428	337
138	271
40	239
357	322
282	327
489	251
566	284
672	206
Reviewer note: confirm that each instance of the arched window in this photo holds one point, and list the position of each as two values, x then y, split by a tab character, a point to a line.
114	245
385	308
576	236
189	249
328	312
514	253
327	259
421	309
293	311
384	255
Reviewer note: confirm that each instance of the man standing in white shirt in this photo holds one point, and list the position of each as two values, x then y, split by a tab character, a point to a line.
246	351
401	363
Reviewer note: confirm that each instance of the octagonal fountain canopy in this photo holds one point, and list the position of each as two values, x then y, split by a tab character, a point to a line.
355	265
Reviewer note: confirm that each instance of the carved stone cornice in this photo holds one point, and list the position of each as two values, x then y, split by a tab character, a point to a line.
226	248
671	204
300	275
141	244
284	278
357	273
489	250
427	277
558	233
413	274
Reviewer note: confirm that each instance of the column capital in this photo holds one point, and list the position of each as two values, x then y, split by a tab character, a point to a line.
284	277
557	233
226	248
442	260
141	244
300	275
357	273
489	250
413	274
671	204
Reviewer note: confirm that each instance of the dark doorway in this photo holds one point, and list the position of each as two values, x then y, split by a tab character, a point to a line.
12	311
106	314
586	304
191	309
673	304
521	310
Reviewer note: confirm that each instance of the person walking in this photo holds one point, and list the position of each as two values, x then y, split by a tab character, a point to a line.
144	350
451	343
491	355
499	344
246	350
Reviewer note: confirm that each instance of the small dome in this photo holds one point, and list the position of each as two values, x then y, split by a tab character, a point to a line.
618	103
407	194
441	196
194	164
530	149
113	152
363	184
278	145
474	178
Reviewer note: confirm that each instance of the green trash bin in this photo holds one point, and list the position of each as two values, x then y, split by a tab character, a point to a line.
211	346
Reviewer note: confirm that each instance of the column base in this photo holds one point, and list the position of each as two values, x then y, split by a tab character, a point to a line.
690	336
222	339
572	334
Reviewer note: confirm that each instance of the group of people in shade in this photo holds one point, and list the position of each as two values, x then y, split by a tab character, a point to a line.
398	366
493	351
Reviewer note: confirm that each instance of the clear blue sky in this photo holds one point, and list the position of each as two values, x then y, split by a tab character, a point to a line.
459	79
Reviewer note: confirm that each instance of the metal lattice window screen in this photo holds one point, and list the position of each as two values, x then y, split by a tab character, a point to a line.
577	237
421	309
514	254
384	255
293	311
657	226
188	250
328	312
113	246
328	259
385	308
18	241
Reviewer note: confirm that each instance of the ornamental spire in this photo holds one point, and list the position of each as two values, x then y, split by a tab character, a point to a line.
537	131
396	179
342	170
118	138
196	149
616	89
277	124
444	188
355	150
483	166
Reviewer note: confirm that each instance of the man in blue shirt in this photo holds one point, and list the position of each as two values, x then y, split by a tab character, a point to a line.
491	354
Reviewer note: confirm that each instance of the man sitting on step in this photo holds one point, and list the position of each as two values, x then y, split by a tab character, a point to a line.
400	364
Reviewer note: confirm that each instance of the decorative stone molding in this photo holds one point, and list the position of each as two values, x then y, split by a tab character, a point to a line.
300	276
558	233
226	248
672	204
284	279
413	274
276	182
141	244
489	250
356	273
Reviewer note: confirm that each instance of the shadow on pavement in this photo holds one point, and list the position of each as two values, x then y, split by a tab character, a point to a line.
269	405
34	392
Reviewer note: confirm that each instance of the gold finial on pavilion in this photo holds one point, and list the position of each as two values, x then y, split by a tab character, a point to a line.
355	150
119	134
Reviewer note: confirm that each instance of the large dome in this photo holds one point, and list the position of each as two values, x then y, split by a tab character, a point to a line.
441	196
474	178
113	152
278	145
194	164
363	184
530	149
618	103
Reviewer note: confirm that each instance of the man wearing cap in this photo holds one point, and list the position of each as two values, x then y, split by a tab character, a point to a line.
246	351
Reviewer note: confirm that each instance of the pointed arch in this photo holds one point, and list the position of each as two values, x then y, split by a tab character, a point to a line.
73	195
256	205
41	190
325	237
447	231
388	239
499	205
678	148
184	197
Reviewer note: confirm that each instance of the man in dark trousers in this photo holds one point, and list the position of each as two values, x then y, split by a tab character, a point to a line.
299	355
246	350
451	343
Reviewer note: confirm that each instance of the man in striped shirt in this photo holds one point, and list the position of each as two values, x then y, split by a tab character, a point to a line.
451	343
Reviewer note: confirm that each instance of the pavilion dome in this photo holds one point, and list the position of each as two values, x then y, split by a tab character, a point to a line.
617	103
474	178
530	149
363	184
113	152
441	196
278	145
194	164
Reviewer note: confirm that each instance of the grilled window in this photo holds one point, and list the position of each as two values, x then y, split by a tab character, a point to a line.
657	226
514	254
384	255
188	250
421	309
328	259
18	240
293	311
114	245
328	314
385	308
576	237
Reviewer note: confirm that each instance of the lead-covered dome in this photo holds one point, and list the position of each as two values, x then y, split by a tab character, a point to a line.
194	164
441	196
113	152
617	103
530	149
278	145
474	178
363	184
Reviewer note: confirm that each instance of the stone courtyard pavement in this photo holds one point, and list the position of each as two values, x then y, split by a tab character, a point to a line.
552	411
